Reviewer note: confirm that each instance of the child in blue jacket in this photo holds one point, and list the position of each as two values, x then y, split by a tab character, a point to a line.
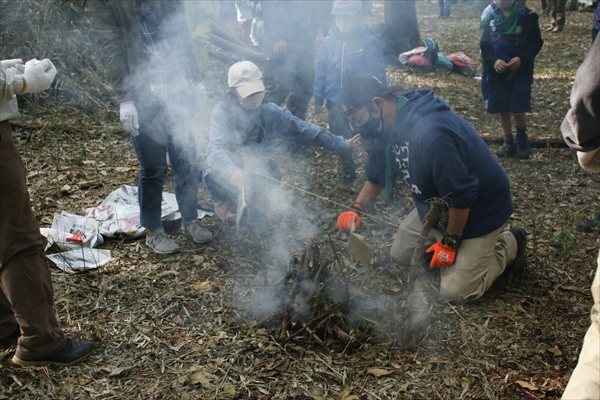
510	42
349	51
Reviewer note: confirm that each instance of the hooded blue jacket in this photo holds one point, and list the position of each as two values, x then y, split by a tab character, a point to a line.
344	56
438	154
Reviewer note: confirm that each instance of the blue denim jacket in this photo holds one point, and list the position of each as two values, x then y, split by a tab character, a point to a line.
234	130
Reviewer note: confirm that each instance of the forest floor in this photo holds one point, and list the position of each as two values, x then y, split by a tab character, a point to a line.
184	326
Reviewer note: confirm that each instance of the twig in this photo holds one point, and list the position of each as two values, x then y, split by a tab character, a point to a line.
320	318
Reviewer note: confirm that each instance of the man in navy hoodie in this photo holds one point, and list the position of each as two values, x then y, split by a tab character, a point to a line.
439	155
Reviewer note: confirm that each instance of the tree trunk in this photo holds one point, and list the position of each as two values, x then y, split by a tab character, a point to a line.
401	30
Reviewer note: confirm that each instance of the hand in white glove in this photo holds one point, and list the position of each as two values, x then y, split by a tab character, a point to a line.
6	64
129	117
38	77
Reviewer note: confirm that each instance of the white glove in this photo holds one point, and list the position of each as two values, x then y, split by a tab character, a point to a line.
6	64
38	77
590	161
129	117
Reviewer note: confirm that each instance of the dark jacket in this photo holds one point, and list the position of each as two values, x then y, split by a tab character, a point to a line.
526	45
438	154
116	25
345	56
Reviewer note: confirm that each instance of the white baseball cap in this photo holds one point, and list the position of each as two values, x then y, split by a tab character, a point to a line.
246	78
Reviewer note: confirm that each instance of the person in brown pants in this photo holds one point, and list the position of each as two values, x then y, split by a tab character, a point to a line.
558	15
26	298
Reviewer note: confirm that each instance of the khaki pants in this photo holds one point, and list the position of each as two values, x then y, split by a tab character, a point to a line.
585	381
25	282
479	261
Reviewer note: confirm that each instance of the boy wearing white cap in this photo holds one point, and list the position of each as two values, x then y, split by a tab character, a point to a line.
242	130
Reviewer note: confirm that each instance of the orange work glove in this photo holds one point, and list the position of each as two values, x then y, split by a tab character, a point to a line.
443	256
345	218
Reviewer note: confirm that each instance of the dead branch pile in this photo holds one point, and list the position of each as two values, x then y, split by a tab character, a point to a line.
315	302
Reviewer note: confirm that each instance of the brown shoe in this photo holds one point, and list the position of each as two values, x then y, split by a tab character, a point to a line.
72	353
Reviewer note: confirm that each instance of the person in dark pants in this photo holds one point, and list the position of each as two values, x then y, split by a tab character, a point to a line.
156	78
290	30
445	8
348	51
510	42
558	15
26	298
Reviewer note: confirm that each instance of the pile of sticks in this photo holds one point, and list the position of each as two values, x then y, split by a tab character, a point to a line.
315	302
319	306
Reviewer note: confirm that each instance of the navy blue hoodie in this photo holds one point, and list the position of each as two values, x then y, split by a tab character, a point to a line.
438	154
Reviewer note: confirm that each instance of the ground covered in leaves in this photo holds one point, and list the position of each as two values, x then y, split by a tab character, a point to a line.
185	326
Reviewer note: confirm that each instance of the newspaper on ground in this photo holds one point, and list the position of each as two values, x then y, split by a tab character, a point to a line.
119	214
70	232
81	260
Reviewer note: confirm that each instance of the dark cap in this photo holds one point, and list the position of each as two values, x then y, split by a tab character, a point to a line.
358	92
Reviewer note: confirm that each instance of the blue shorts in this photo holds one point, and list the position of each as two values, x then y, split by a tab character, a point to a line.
508	96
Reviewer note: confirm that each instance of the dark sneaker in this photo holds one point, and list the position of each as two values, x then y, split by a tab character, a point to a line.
523	149
589	226
349	177
506	150
197	232
72	353
347	168
161	243
520	262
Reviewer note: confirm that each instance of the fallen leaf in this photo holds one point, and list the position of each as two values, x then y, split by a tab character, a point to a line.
505	344
378	372
206	286
229	389
574	289
204	379
555	350
345	391
119	371
527	385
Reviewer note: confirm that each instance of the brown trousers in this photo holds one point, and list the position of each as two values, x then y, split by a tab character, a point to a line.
26	298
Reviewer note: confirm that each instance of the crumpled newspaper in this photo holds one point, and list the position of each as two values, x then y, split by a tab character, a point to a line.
81	260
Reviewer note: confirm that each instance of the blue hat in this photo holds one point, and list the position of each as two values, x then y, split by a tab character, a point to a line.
346	7
359	91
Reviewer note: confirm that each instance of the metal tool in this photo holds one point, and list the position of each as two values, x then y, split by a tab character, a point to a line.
241	208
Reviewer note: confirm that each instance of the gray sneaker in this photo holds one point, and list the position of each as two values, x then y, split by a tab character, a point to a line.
197	232
161	243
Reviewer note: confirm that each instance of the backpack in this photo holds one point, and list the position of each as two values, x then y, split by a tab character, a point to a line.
420	61
463	64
